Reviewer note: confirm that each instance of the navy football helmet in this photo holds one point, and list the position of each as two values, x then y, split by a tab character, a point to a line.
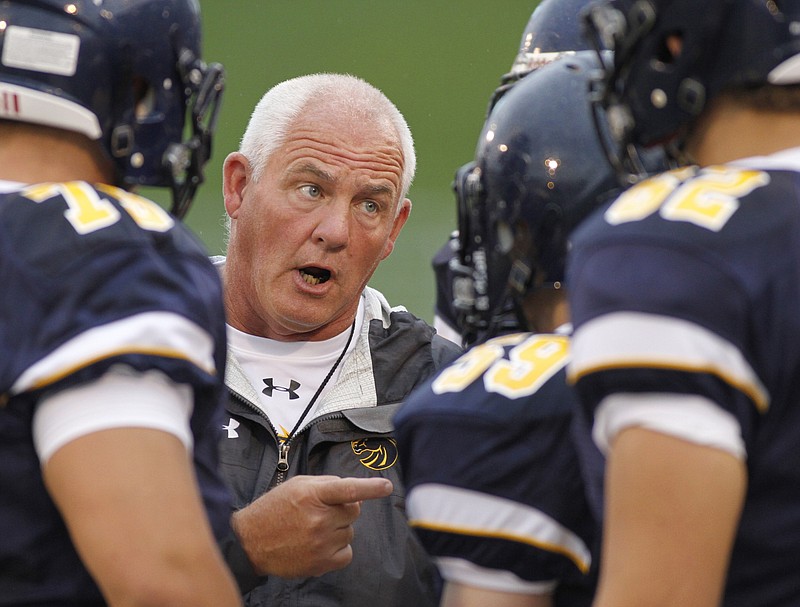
122	72
533	179
552	31
649	94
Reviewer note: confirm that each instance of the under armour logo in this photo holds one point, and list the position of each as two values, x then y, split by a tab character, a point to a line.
231	428
291	390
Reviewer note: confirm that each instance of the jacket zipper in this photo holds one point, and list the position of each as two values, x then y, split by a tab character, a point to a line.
283	462
283	447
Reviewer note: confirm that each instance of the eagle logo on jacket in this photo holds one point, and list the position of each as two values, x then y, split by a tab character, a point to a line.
376	453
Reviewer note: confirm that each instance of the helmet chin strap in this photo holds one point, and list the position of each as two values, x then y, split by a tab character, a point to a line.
515	290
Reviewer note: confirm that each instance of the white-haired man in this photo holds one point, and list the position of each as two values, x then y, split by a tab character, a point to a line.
319	361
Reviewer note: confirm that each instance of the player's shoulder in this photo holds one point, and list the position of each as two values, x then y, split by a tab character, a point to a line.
82	208
696	204
497	379
47	225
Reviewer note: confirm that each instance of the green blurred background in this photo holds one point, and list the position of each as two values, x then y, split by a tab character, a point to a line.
438	61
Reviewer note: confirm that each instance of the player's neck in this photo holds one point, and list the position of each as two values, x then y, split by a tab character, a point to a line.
547	309
731	131
32	155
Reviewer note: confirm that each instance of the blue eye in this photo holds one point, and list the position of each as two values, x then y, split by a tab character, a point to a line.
371	206
311	190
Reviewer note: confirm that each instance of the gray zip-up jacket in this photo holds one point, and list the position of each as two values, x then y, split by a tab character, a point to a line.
351	435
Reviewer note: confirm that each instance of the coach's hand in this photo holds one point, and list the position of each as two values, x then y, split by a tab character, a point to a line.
304	526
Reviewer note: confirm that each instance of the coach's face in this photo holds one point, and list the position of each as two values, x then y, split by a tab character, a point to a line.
308	235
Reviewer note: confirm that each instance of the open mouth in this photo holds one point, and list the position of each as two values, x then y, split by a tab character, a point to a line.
314	276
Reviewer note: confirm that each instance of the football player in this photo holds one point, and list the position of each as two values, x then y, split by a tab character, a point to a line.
685	293
552	31
112	335
495	458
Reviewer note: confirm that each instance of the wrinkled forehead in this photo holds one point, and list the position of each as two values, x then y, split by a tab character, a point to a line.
355	124
353	140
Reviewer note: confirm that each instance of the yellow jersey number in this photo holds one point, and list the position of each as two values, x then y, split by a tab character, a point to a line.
708	200
532	360
88	211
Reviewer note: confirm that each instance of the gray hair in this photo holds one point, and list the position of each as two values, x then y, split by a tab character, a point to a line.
273	116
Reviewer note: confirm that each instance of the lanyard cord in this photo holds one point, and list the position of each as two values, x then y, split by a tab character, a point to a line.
322	385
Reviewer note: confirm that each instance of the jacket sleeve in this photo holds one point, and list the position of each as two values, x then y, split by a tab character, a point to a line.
443	351
239	564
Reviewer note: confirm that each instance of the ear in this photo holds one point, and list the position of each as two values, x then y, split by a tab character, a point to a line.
399	221
235	177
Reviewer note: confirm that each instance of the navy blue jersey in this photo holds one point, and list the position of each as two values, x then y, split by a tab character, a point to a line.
92	277
689	285
493	455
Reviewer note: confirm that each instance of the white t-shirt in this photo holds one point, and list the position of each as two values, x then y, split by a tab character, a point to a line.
288	374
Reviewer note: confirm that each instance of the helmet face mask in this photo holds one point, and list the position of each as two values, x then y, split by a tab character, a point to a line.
126	73
672	57
533	180
184	160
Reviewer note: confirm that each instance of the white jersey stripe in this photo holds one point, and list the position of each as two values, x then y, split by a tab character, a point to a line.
457	510
634	339
157	333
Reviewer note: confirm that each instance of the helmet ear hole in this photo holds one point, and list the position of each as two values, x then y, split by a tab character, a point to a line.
144	100
505	237
669	47
121	141
521	255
